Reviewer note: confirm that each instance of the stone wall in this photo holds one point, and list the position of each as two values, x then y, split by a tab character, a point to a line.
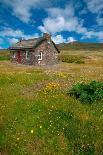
50	55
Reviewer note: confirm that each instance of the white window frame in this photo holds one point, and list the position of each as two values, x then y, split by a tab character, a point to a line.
40	56
48	41
27	55
14	55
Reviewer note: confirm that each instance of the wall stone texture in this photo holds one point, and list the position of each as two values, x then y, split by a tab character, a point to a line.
49	57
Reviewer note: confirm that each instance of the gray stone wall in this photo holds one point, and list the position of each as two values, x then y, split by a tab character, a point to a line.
49	57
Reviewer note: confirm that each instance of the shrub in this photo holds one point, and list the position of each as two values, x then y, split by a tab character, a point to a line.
87	92
71	58
4	55
4	58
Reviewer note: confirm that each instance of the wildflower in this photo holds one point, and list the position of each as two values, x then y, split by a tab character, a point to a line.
32	131
18	138
40	126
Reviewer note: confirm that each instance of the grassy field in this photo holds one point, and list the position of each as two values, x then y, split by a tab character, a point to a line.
37	117
4	55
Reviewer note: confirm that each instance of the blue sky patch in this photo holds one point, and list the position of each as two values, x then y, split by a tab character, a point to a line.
66	21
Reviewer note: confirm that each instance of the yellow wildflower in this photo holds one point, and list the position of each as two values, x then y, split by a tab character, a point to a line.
32	131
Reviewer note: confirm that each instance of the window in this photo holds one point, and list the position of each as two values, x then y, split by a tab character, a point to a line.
48	41
27	55
14	55
40	56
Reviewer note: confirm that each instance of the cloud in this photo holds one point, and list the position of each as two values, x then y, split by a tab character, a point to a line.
59	20
92	34
58	39
83	11
12	40
9	32
71	39
11	36
22	9
94	6
53	25
99	20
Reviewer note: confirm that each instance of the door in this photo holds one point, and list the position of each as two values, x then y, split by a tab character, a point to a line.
19	57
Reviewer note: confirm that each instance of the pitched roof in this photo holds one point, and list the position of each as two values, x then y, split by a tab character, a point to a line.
30	43
25	44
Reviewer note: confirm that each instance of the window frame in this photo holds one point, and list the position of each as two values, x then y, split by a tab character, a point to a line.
14	55
40	56
27	55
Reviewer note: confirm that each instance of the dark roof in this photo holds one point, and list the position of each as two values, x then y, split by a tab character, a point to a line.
30	43
25	44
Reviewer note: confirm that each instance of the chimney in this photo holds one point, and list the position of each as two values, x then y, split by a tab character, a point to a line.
20	39
47	36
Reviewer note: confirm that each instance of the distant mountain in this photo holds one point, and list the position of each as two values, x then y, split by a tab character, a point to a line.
76	45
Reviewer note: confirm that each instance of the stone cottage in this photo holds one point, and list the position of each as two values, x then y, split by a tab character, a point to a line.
37	51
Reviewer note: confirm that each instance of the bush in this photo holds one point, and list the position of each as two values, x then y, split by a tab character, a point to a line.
4	58
71	58
87	92
4	55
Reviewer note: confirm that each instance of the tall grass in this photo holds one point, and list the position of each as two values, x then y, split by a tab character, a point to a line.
38	117
71	58
4	55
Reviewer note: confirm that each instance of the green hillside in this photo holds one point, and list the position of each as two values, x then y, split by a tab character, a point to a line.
81	46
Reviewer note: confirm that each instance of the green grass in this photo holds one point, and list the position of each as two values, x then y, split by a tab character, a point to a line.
80	46
38	117
4	55
68	58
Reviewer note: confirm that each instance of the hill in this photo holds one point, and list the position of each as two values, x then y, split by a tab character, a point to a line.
81	46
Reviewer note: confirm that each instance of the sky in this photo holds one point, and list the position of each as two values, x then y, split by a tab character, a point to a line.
65	20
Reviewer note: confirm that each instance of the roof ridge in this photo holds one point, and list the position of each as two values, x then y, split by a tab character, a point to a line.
31	39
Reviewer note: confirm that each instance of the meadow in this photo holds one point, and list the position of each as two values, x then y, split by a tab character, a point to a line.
37	117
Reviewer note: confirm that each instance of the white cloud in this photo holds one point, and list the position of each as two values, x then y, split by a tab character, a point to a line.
95	6
12	40
9	32
59	20
71	39
99	20
58	39
22	9
83	12
92	34
62	20
53	25
12	36
42	29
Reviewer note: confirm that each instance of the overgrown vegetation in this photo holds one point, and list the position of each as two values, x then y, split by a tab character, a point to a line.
38	117
87	93
4	55
71	58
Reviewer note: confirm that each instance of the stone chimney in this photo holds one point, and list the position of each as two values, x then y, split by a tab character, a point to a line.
47	36
20	39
